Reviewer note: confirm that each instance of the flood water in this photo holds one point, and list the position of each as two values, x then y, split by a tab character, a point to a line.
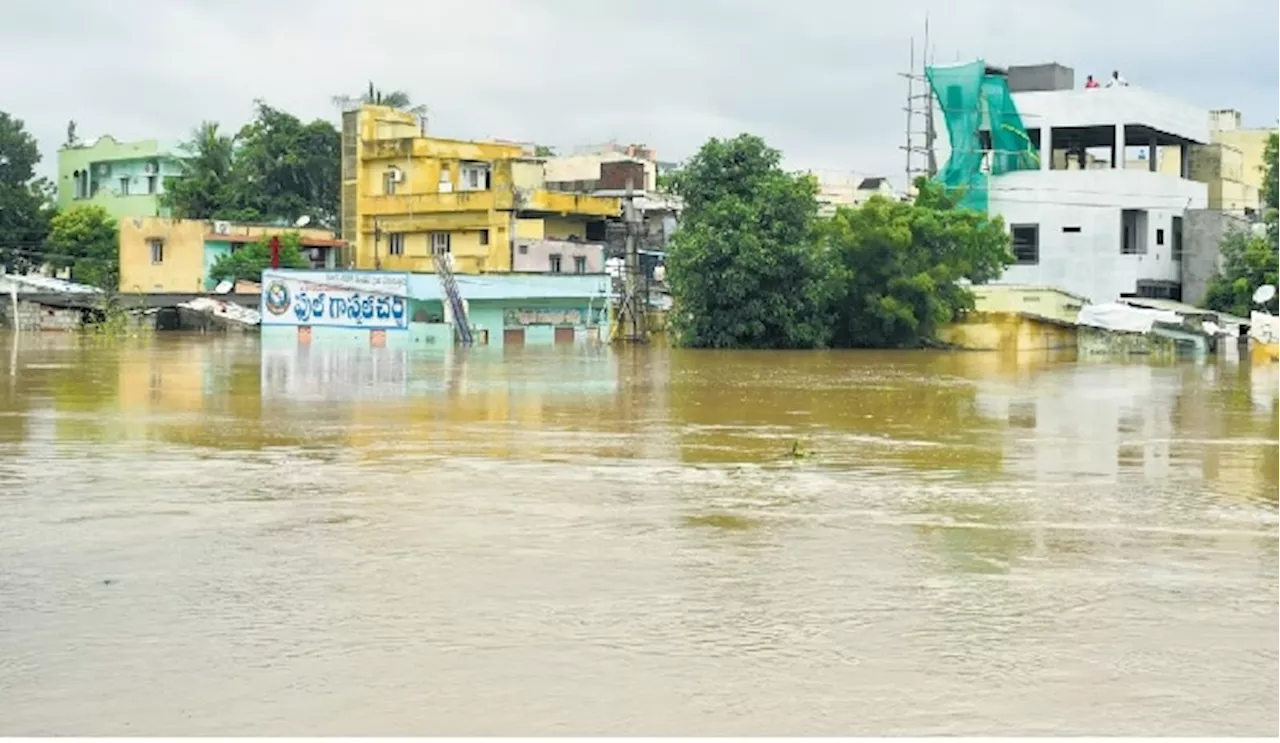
200	537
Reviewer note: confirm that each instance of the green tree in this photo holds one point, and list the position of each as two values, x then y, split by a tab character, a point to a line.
86	239
248	263
374	96
275	169
1270	184
1248	262
25	210
897	266
543	151
209	187
289	169
744	268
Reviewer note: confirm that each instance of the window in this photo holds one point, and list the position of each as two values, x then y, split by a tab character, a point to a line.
157	251
1071	230
523	250
484	237
389	181
446	183
555	260
81	178
1026	243
579	264
440	243
1159	237
395	243
1176	239
474	177
152	182
124	186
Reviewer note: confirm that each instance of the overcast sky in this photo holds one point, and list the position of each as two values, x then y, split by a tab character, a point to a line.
815	78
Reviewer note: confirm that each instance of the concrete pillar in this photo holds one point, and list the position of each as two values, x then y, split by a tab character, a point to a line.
1046	148
1184	167
1153	151
1117	149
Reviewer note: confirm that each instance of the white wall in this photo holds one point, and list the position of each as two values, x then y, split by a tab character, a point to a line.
1089	262
1111	106
587	168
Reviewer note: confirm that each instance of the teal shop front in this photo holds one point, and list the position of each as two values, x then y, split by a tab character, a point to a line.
399	310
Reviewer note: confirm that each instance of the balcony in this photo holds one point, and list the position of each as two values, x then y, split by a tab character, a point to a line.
1113	106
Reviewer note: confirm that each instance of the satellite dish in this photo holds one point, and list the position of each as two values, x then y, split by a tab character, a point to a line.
1264	294
303	221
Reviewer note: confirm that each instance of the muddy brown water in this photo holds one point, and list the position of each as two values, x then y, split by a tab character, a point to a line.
201	537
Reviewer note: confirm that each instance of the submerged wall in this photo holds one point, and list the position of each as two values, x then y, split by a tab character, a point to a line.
1008	331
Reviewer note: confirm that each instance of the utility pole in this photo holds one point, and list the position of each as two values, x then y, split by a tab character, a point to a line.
632	308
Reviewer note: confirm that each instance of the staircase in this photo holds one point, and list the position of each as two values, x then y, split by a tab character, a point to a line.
461	323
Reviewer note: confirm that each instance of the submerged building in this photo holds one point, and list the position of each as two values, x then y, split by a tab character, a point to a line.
403	310
1028	146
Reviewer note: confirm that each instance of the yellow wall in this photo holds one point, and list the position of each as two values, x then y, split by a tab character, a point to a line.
183	266
385	139
1037	300
1251	143
182	270
1007	331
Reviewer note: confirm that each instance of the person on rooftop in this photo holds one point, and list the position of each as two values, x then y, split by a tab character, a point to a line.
1116	81
1090	83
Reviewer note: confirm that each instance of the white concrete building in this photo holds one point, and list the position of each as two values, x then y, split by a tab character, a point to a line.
1101	233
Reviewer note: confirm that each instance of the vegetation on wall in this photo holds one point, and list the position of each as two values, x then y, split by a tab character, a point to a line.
752	265
248	263
373	95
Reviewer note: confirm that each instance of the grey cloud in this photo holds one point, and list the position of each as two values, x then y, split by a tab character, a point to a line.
817	78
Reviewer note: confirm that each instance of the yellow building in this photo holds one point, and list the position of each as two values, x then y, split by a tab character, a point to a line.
162	255
1242	168
1015	318
407	196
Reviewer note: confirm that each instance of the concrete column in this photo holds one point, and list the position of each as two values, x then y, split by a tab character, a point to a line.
1184	166
1117	149
1153	151
1046	148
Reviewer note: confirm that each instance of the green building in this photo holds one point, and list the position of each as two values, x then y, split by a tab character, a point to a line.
126	178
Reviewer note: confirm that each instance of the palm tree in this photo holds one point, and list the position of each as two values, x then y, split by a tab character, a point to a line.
397	99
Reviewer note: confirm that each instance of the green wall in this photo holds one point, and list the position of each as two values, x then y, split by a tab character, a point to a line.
125	160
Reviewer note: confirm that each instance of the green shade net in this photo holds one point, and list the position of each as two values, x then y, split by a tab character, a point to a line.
973	101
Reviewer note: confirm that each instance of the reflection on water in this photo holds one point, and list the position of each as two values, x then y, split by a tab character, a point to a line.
200	535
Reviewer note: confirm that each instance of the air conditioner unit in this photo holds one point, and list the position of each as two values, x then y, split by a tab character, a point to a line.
221	228
397	175
102	169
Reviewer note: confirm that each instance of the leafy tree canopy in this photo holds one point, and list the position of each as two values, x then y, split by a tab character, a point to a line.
753	267
1248	262
25	204
274	169
248	263
895	266
86	239
744	268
